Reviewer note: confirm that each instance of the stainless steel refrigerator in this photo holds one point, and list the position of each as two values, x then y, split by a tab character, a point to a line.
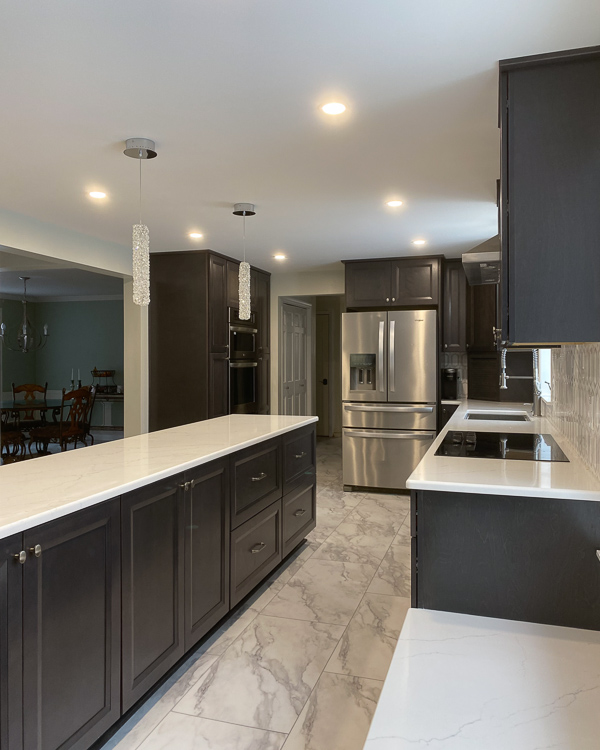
389	393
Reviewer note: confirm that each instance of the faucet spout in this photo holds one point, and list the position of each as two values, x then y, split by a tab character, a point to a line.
503	376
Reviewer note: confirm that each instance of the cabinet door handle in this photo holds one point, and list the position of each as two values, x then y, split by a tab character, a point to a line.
185	486
387	299
300	512
597	554
393	299
37	550
258	548
300	455
260	477
21	556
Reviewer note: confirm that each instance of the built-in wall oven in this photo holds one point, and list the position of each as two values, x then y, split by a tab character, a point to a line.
243	364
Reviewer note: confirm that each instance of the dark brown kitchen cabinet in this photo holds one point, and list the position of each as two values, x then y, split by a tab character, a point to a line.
11	644
446	412
299	457
206	548
518	558
415	281
256	548
152	520
482	301
71	629
454	323
190	293
399	282
484	376
256	479
550	223
299	512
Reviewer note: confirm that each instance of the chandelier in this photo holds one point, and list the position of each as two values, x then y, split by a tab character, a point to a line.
26	337
141	148
244	209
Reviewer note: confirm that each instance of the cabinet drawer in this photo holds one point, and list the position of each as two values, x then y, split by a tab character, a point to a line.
257	481
255	550
299	515
298	457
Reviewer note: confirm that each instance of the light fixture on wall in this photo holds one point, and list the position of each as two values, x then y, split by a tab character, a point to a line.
26	337
243	210
141	148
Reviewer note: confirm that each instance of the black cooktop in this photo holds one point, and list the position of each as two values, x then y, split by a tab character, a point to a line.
514	445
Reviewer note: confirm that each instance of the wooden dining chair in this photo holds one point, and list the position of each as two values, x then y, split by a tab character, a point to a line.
29	392
73	425
12	440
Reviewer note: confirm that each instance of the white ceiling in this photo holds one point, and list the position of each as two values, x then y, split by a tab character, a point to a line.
230	91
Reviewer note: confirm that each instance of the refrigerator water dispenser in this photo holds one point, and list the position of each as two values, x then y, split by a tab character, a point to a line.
363	372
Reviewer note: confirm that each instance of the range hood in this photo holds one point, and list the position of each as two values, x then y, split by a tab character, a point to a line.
482	263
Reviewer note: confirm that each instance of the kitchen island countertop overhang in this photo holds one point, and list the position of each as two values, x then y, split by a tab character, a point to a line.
34	492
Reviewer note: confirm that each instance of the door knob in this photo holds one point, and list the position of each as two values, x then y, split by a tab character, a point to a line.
324	381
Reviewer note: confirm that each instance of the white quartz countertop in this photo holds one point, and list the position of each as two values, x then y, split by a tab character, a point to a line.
45	488
555	479
459	682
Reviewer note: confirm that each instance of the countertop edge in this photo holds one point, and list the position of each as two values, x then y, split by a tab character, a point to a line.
56	512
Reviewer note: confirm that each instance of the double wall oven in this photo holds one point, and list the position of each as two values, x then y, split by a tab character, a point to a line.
243	364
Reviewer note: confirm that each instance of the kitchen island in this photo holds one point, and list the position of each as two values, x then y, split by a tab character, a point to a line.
513	539
117	559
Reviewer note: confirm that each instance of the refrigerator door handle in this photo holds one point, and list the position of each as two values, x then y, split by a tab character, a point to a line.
380	364
391	435
393	409
392	356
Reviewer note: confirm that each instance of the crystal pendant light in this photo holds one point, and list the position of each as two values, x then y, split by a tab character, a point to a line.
243	210
26	337
141	148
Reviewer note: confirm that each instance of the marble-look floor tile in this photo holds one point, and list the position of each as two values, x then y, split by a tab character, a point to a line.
367	646
293	563
337	716
181	732
402	538
231	629
329	496
154	710
323	591
358	542
393	576
386	514
266	676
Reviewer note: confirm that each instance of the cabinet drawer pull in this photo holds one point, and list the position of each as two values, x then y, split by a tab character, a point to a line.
258	548
300	455
21	556
185	486
260	477
300	512
37	550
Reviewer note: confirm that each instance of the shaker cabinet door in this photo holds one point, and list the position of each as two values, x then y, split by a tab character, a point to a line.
71	629
11	668
206	548
152	548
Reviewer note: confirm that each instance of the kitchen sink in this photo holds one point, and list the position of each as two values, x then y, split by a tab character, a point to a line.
498	416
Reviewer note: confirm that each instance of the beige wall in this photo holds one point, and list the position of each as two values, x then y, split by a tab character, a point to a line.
23	235
296	285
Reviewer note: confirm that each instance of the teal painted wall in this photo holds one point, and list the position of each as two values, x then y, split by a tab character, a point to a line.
83	335
16	367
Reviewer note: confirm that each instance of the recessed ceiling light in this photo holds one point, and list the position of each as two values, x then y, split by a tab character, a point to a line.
97	194
394	204
333	108
419	242
195	235
279	256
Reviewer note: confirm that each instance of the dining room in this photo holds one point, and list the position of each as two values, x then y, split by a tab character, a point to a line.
61	358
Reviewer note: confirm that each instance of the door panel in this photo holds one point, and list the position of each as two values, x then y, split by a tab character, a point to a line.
323	376
206	549
71	629
412	356
11	667
294	360
364	356
152	548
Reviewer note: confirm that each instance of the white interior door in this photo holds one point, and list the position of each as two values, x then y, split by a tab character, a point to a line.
294	375
323	384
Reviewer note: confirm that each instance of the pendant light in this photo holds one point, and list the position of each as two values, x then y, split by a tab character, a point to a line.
243	210
26	337
141	148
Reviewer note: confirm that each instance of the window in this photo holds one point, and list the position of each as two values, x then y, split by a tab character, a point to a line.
546	373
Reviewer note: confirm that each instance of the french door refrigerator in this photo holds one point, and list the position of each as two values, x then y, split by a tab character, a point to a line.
389	394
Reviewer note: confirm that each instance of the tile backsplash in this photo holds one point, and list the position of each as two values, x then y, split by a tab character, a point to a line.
575	407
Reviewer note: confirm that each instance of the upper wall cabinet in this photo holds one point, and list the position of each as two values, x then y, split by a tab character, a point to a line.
399	282
454	328
550	120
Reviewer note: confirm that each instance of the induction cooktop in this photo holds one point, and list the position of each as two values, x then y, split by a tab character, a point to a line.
517	446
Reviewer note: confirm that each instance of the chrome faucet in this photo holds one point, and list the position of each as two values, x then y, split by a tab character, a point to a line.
536	406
